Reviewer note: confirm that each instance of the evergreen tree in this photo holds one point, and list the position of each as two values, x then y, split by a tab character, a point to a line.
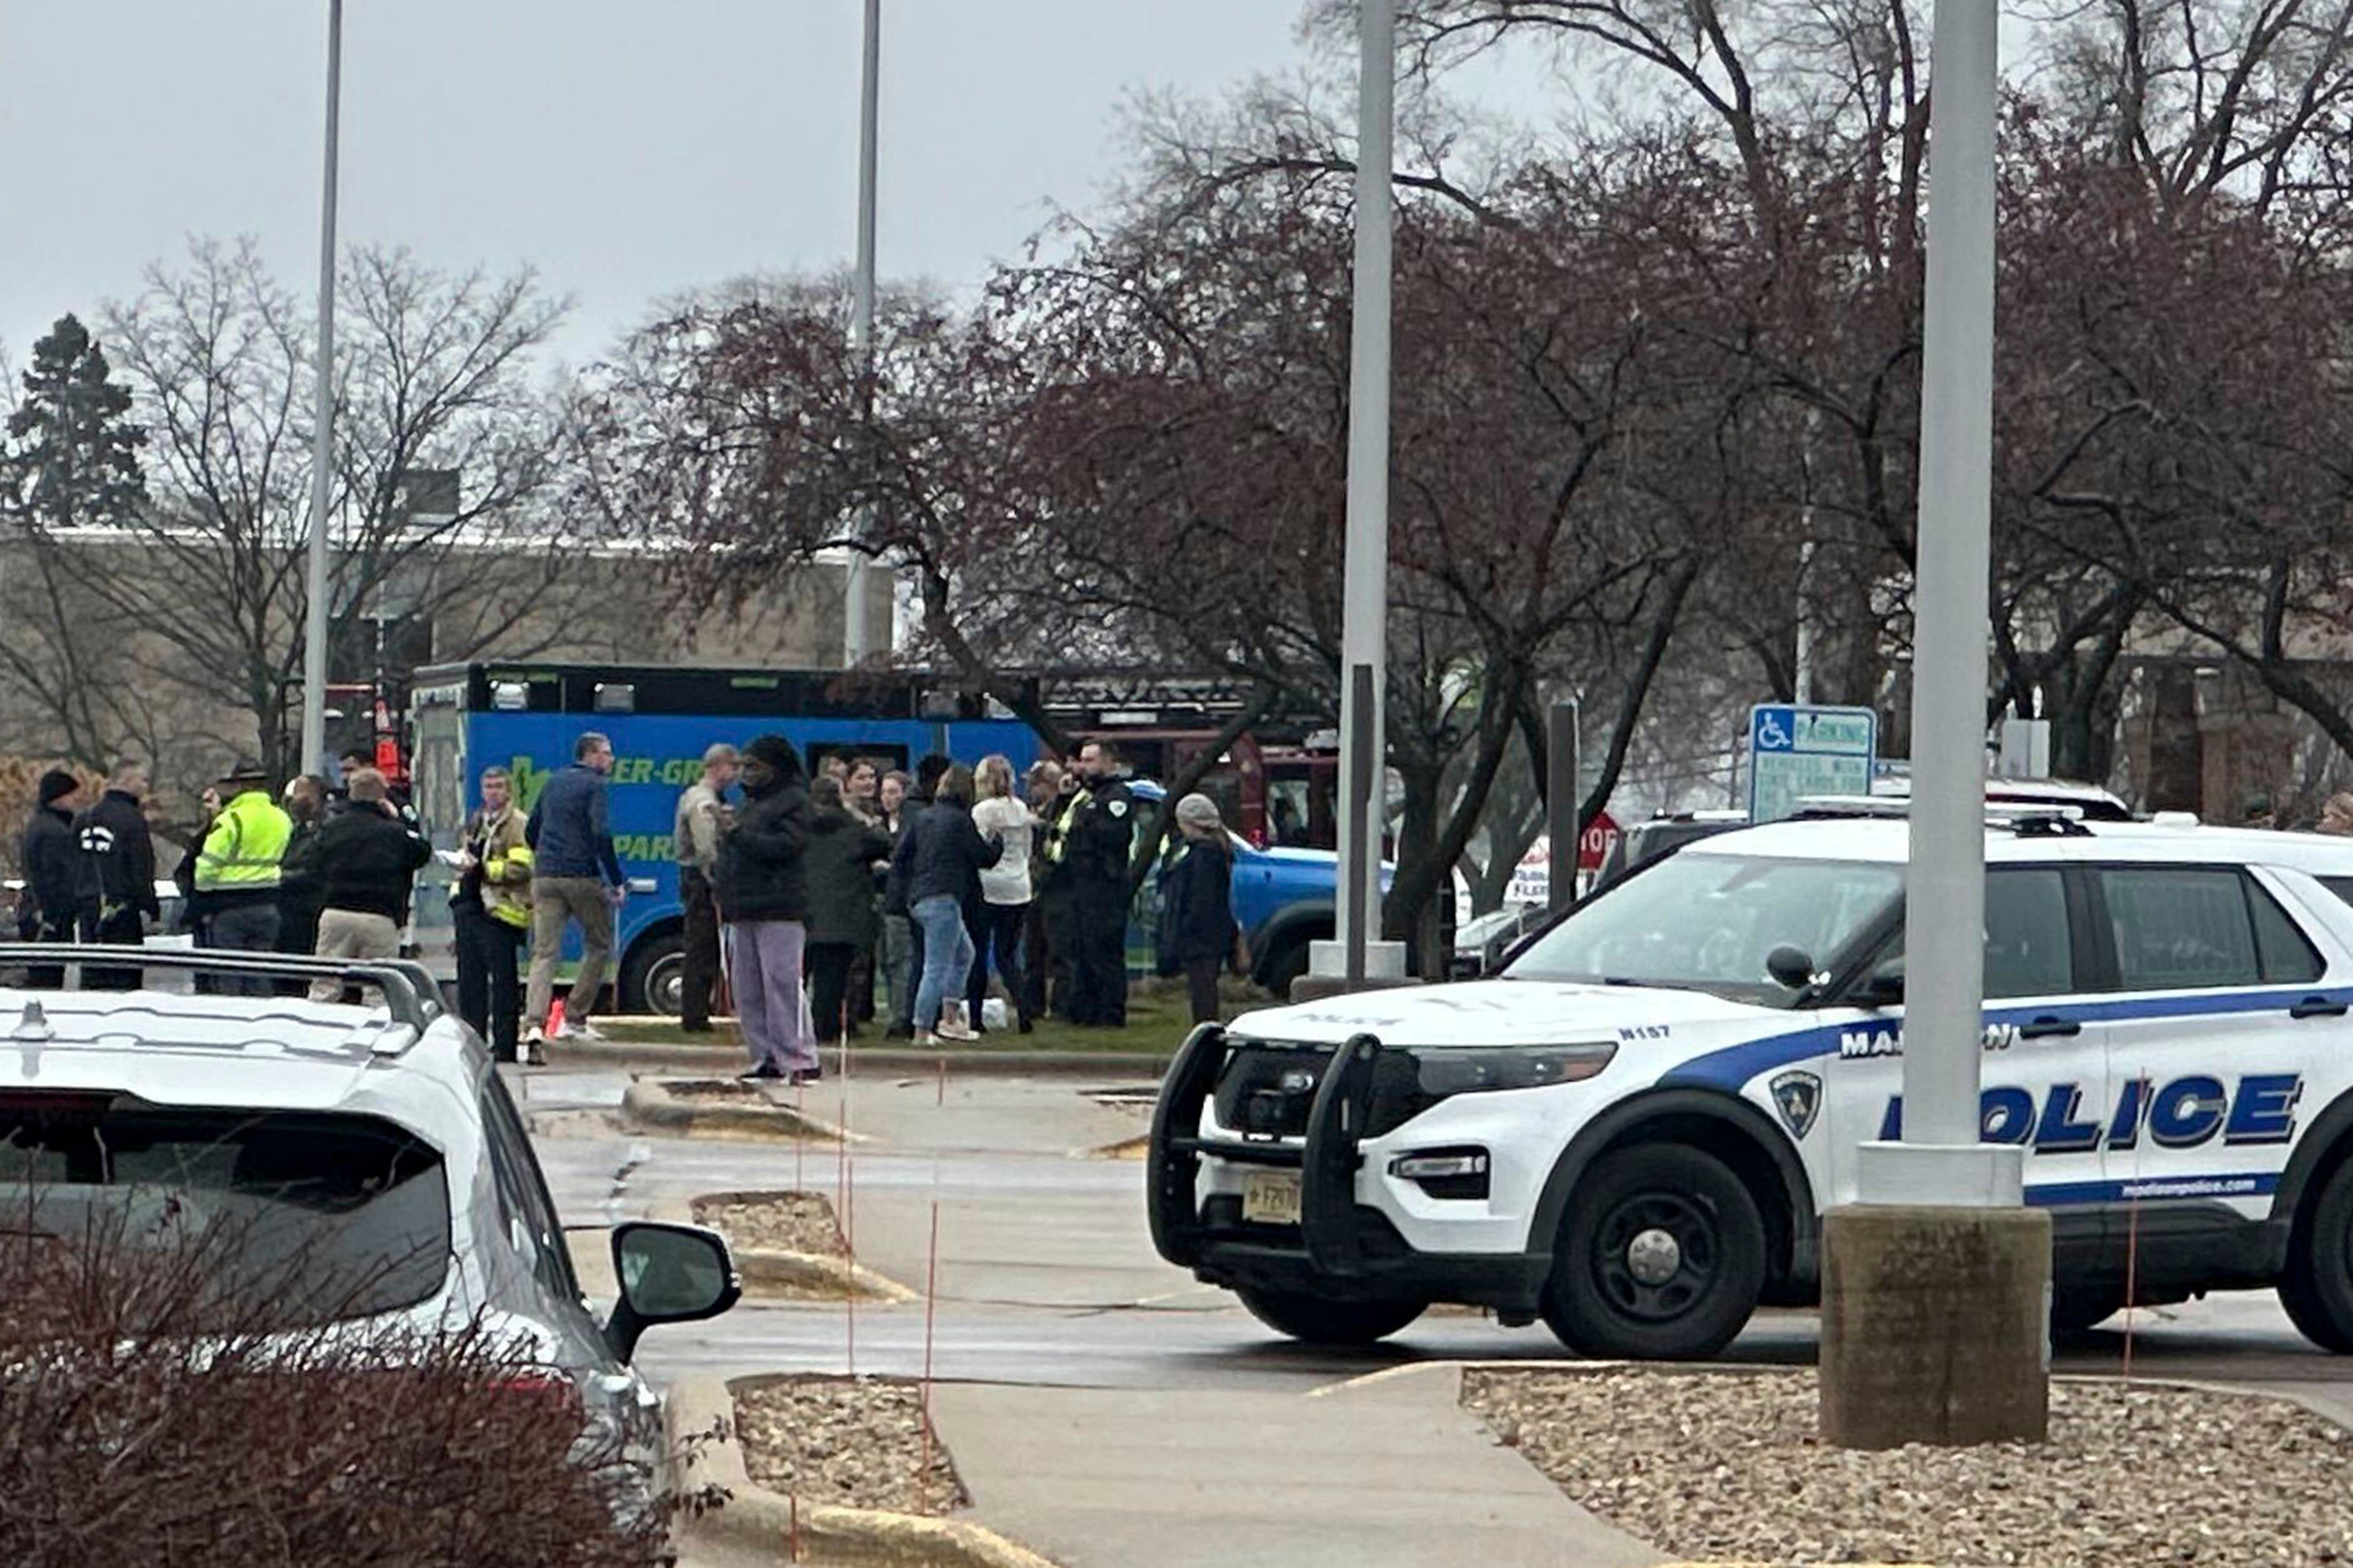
72	457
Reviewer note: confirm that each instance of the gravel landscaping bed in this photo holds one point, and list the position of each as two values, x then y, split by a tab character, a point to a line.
773	1222
1726	1465
853	1443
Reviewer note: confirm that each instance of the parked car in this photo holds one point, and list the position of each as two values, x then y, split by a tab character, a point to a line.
366	1163
1481	942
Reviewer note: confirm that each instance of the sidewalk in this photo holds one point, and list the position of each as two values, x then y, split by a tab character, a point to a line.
1385	1473
724	1059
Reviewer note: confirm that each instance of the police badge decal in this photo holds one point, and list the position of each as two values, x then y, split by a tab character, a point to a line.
1797	1095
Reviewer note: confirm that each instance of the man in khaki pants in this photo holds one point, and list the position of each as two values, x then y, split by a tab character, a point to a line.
368	861
575	878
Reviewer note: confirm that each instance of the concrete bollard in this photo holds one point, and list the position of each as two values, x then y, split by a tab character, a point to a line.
1935	1326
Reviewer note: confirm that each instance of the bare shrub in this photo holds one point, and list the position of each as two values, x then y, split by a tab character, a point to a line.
150	1417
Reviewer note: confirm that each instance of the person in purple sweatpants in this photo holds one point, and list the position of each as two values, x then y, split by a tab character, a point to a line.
761	887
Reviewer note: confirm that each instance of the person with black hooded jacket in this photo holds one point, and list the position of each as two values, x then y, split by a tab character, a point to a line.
762	886
51	861
928	774
843	848
115	890
52	865
941	860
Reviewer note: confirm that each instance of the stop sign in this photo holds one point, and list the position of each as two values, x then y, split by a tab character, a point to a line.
1593	844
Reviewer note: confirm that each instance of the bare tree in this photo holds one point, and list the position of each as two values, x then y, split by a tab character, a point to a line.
205	582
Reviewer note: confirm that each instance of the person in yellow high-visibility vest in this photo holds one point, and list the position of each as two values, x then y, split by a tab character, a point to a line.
237	867
491	907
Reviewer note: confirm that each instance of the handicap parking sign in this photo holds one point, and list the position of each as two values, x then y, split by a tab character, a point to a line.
1796	752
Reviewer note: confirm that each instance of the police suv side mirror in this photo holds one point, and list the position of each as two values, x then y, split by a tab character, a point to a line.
668	1274
1790	966
1884	986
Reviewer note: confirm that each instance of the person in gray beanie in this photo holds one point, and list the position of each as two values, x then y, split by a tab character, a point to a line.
1197	936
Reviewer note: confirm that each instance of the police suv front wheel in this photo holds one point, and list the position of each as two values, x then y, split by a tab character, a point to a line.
1319	1321
1661	1257
2317	1290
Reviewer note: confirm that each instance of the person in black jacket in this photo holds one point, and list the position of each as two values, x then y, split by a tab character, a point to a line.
299	888
842	850
761	885
928	774
1197	919
941	857
1098	836
52	867
115	892
368	860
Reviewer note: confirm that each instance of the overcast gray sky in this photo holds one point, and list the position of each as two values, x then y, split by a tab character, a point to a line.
627	148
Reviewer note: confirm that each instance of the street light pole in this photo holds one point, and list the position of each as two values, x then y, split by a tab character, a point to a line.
323	432
857	629
1940	1266
1359	956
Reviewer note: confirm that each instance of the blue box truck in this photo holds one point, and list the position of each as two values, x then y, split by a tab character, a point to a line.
525	717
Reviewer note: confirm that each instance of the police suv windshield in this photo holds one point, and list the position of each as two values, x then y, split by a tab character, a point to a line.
1705	921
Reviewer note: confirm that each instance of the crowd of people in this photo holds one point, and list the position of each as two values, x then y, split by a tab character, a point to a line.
314	871
866	894
822	904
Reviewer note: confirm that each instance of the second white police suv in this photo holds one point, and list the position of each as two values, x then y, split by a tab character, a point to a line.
1633	1133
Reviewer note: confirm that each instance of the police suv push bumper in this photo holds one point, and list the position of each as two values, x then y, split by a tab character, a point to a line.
1339	1249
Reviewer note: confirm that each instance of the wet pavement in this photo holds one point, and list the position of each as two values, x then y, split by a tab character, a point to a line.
1045	1274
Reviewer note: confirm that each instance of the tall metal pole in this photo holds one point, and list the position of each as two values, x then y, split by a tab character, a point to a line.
1364	592
1945	923
1940	1265
322	436
858	629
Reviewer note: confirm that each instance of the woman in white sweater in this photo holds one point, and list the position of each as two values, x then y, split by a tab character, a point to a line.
1002	817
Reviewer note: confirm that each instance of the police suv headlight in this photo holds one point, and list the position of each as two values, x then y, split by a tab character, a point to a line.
1442	1072
1458	1173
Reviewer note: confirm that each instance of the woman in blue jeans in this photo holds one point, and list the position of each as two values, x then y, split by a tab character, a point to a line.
945	856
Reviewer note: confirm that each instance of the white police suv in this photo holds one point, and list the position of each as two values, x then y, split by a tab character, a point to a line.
1633	1131
366	1165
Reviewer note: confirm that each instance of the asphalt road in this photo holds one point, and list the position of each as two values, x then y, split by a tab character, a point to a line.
1044	1275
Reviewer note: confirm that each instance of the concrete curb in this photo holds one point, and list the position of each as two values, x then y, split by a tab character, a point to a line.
795	1275
620	1054
649	1106
757	1519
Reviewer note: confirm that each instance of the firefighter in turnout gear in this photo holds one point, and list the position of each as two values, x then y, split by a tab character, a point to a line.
237	869
1096	832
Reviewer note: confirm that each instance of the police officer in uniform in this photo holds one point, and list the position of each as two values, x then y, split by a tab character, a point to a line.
240	865
1099	835
1056	899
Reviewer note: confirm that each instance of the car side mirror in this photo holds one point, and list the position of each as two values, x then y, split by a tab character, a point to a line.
1884	986
668	1274
1790	966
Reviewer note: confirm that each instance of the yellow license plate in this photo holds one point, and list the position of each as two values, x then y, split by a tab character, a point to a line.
1271	1197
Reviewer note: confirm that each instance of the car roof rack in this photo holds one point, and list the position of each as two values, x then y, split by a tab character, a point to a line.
411	995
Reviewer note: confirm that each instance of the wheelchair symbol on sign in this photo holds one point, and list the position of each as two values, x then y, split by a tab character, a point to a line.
1771	736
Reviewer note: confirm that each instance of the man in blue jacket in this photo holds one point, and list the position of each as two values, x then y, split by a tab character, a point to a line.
575	877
